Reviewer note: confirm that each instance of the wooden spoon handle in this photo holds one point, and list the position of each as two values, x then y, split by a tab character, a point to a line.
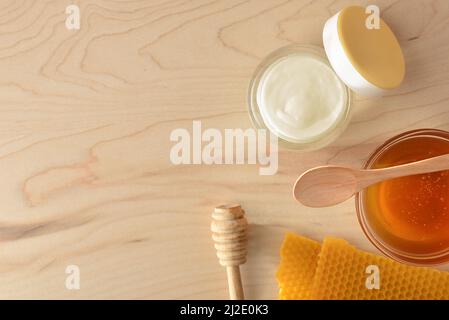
435	164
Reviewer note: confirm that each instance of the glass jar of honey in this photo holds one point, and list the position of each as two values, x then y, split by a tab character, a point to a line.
407	218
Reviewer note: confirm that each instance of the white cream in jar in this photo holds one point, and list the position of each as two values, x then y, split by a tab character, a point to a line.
300	98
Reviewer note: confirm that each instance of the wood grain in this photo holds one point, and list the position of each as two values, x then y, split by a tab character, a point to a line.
85	118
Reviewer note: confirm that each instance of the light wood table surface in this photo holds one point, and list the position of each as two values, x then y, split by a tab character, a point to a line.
85	119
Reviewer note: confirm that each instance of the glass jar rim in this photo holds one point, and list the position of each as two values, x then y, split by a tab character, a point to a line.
435	259
253	108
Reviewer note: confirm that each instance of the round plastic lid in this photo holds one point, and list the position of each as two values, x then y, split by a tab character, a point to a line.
368	60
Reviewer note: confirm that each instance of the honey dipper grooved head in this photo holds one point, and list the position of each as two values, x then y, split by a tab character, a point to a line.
229	232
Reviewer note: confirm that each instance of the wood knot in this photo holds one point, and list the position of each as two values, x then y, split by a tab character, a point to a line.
229	231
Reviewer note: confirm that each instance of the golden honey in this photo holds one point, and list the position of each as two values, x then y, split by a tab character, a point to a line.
408	217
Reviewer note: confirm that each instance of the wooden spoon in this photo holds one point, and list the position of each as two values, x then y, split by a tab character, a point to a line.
329	185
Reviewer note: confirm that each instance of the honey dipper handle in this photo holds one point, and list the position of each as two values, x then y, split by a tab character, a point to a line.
235	283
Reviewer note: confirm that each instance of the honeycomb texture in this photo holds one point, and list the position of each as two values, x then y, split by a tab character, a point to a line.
336	270
299	257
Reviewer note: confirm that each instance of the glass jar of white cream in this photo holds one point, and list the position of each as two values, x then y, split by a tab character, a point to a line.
297	96
302	94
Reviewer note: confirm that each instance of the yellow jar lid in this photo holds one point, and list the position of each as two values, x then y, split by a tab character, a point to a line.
374	53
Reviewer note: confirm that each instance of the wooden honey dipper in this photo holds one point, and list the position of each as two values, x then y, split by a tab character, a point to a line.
229	231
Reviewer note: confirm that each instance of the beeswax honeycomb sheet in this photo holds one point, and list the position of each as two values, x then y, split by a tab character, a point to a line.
337	270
